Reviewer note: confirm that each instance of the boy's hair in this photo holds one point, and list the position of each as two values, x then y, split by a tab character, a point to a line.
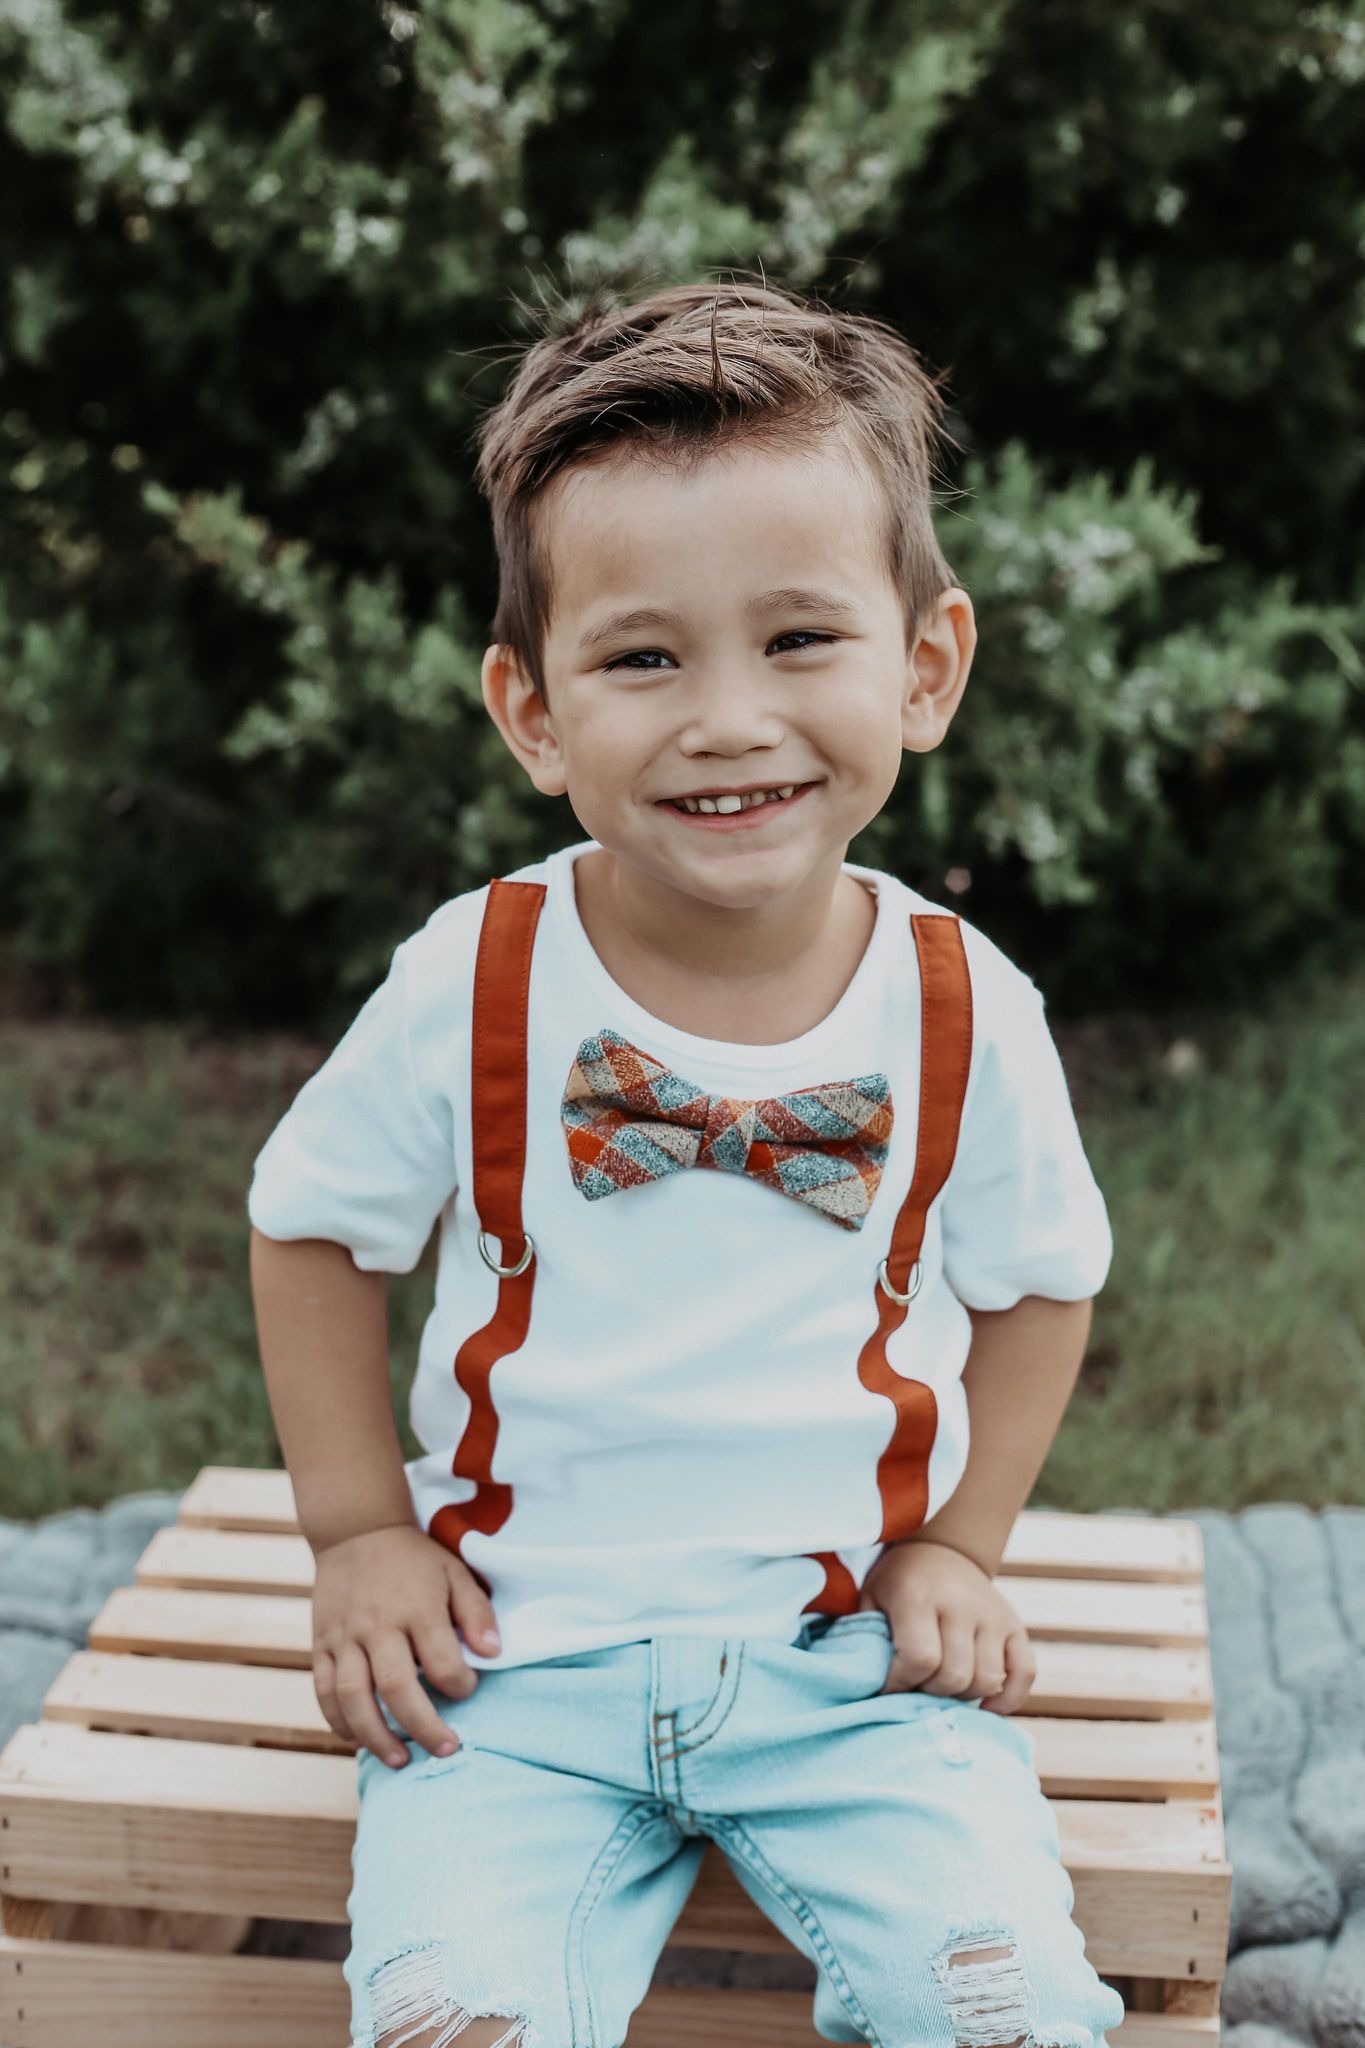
687	368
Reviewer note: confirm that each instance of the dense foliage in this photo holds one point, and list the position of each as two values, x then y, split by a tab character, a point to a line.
265	265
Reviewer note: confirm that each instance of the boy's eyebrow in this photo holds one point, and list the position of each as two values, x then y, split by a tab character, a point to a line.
805	603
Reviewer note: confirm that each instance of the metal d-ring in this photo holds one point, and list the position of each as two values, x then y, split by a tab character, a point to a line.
916	1282
507	1272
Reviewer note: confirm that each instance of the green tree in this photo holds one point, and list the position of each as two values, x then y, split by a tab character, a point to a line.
264	266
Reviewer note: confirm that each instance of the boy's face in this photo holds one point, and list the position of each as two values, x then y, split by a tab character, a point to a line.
774	658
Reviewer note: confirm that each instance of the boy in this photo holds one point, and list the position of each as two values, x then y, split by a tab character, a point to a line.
701	1546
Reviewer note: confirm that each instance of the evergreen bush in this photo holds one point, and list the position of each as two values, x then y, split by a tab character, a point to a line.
263	268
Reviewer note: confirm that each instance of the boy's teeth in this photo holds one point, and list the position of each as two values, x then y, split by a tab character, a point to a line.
728	804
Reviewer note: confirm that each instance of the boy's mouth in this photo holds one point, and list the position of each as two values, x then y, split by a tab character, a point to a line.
728	809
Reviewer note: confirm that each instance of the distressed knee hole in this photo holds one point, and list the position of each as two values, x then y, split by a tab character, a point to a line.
985	1991
412	2009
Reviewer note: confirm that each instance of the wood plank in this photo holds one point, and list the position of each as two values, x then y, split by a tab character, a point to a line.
1095	1680
1043	1540
201	1702
248	1628
56	1994
1108	1611
51	1992
1080	1610
1121	1681
1060	1545
138	1820
1139	1760
240	1497
242	1703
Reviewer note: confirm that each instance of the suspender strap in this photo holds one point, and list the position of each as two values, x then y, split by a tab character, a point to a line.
502	983
945	1061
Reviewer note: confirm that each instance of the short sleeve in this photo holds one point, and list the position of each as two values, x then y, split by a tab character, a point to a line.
1022	1213
362	1157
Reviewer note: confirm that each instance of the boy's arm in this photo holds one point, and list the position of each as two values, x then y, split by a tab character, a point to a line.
1018	1378
953	1631
323	1331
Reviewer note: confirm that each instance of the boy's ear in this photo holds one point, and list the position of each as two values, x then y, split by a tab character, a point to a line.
523	718
936	671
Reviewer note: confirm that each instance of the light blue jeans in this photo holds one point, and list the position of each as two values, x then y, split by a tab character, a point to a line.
538	1871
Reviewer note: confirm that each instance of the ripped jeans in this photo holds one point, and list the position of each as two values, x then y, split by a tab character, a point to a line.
901	1841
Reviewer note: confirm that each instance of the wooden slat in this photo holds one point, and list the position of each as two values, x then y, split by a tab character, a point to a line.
227	1561
252	1628
161	2000
1085	1546
244	1703
1108	1611
148	1998
204	1827
1120	1681
1075	1610
1096	1680
1042	1540
240	1497
1125	1759
179	1698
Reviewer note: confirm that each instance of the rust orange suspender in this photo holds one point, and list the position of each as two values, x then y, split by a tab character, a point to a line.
502	983
945	1058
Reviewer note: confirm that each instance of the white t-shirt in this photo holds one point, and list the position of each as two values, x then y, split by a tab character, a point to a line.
684	1425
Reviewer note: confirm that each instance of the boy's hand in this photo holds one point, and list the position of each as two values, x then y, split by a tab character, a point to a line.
954	1634
375	1596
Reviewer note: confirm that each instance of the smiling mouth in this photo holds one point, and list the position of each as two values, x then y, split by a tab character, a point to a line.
729	805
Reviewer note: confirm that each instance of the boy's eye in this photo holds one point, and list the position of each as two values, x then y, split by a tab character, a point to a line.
650	655
811	639
641	654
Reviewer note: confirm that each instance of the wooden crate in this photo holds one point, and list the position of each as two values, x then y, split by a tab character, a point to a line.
182	1763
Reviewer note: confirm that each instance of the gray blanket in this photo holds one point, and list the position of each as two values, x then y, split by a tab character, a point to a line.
1287	1614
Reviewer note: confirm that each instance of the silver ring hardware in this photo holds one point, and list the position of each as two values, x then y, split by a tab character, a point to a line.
507	1272
916	1282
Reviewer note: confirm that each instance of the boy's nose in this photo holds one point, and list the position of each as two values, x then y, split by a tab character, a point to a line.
728	722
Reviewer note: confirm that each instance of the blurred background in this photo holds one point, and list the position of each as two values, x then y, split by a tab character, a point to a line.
263	268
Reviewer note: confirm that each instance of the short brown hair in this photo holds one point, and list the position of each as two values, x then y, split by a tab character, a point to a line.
683	369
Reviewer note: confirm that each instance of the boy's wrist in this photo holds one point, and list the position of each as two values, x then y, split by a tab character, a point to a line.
979	1550
333	1513
331	1536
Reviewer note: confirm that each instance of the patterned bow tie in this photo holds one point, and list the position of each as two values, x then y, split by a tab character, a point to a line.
629	1120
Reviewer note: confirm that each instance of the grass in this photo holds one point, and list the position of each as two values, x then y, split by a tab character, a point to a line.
1227	1358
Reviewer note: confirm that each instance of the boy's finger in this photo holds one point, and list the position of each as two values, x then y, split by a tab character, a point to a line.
1020	1668
355	1697
473	1610
992	1669
324	1687
918	1649
957	1662
442	1659
396	1680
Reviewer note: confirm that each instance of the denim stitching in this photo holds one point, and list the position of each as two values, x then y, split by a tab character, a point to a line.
624	1835
669	1757
804	1912
687	1748
720	1687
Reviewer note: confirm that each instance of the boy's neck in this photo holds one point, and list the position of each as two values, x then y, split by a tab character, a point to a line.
753	977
